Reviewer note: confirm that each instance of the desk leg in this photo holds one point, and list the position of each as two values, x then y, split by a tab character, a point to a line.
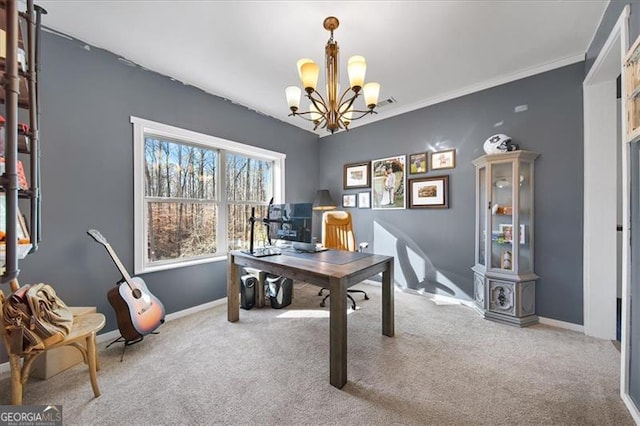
388	301
233	290
338	333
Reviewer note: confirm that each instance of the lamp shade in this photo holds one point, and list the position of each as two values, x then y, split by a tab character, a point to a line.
323	200
309	73
371	92
356	68
293	96
300	63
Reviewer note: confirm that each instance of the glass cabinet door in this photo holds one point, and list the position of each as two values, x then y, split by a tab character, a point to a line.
525	218
482	215
502	233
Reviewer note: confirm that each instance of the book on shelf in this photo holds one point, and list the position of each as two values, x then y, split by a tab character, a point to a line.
22	178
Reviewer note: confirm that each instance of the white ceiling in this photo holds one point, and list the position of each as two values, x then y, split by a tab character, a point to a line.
420	52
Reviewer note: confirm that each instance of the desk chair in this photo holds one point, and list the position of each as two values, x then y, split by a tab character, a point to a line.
337	233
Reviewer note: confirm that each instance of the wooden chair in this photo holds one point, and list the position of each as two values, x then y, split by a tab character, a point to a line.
337	234
82	337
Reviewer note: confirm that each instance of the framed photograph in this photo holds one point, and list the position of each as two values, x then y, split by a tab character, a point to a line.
364	200
429	192
348	200
418	163
506	229
388	183
443	159
356	175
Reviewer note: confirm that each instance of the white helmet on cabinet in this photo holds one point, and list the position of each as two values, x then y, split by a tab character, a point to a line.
499	143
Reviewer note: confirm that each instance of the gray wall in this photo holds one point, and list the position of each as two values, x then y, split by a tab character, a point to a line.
435	248
87	170
609	19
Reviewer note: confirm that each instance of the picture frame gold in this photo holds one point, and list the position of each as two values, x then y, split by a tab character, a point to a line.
441	160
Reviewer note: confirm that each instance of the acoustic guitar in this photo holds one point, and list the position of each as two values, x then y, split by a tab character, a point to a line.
138	312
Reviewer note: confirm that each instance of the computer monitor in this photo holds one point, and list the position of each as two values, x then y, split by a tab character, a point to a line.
291	222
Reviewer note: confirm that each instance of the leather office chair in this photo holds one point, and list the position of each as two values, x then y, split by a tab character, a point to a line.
337	234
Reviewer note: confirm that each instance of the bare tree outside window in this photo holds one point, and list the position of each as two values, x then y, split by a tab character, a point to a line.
249	184
180	191
182	204
194	194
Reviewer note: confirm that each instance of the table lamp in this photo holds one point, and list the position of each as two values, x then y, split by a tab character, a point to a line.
323	200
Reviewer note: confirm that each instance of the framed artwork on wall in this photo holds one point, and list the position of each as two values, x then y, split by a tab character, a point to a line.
348	200
364	200
418	163
429	192
443	159
388	183
356	175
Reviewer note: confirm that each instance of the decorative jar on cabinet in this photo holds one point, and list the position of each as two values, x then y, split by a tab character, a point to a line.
504	281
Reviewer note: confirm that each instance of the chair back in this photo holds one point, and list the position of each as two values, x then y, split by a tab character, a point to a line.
337	231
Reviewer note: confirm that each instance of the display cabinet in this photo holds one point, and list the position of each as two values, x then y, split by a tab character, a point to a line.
504	278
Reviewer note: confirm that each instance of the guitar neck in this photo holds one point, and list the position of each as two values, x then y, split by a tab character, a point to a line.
119	265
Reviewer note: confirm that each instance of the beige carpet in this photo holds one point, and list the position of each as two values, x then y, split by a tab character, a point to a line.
445	366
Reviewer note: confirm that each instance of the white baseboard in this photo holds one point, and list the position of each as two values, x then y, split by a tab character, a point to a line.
562	324
437	298
112	335
631	406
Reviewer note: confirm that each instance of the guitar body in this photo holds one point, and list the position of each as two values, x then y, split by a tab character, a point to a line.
138	312
136	317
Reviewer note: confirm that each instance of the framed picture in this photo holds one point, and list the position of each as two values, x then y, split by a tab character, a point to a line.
443	159
364	200
356	175
429	192
348	200
506	229
418	163
388	183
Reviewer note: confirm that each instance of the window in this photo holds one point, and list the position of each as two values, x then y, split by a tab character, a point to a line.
194	195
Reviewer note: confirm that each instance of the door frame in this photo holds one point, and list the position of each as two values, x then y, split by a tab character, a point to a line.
600	164
599	248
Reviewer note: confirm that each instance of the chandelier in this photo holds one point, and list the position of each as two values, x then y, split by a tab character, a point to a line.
332	112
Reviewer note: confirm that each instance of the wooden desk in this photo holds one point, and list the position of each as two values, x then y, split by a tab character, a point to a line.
336	277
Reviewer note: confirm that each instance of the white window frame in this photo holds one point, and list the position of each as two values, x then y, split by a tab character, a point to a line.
143	126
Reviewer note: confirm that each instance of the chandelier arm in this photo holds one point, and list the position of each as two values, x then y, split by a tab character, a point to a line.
350	101
319	101
302	115
370	111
